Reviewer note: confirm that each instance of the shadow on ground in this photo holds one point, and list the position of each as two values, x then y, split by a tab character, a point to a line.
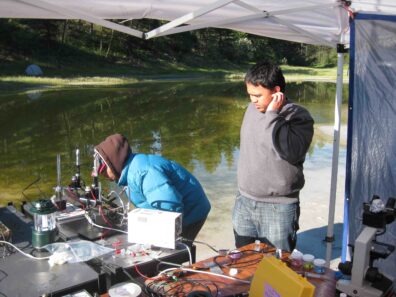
312	241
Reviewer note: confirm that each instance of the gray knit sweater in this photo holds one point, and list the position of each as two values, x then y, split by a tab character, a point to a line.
272	152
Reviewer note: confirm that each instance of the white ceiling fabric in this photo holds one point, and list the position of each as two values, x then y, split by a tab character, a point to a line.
314	22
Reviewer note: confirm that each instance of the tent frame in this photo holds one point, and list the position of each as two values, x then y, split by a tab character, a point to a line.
174	26
181	24
71	13
341	50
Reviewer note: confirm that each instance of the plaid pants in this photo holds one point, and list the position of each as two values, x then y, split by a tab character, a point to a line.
272	223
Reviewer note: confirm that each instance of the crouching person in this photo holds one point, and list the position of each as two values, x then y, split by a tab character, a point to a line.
154	182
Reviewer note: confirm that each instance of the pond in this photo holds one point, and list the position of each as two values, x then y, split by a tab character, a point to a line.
195	123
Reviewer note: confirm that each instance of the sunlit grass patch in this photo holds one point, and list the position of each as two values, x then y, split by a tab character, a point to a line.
292	73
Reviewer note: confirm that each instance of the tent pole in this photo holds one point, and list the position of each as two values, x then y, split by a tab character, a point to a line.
187	17
71	14
336	145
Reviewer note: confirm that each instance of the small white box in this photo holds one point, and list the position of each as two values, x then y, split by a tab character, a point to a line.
156	227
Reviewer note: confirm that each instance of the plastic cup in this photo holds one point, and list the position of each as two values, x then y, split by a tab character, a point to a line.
319	266
308	262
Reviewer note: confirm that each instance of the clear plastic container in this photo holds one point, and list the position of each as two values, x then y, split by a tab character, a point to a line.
308	262
296	259
319	266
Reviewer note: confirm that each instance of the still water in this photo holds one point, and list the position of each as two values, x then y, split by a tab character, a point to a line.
195	123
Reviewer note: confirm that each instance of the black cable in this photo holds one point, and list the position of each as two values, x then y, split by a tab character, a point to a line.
237	263
152	286
185	282
171	288
135	281
201	242
205	286
179	287
150	290
165	292
211	283
164	263
382	232
34	183
139	283
217	263
194	283
199	294
248	263
31	184
159	287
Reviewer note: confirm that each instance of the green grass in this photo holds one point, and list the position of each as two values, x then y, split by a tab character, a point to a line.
177	72
313	73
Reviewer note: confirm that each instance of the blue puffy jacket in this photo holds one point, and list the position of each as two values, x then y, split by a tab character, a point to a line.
157	183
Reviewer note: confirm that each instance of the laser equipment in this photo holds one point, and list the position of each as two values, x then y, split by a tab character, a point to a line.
101	208
58	198
76	179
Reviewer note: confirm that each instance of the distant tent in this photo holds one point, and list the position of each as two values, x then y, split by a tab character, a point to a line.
33	70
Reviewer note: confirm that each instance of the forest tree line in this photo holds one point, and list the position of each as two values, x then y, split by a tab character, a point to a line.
68	41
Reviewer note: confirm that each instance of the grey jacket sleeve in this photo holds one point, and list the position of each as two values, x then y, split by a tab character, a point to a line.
292	134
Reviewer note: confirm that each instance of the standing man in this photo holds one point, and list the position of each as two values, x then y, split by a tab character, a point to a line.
154	182
275	137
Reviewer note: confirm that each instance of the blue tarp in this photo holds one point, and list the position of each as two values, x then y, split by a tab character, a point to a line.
371	151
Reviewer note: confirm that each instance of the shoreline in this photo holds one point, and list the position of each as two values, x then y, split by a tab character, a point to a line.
24	82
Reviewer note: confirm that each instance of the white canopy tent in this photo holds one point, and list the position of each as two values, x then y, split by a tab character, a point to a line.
319	22
315	22
323	22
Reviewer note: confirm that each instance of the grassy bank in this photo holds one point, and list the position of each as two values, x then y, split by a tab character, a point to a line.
123	77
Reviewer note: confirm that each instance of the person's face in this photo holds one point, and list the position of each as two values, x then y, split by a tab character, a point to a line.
261	97
110	175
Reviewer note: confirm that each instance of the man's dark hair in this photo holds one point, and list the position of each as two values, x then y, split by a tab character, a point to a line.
266	75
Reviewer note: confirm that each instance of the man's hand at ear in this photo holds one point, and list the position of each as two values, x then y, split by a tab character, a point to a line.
278	100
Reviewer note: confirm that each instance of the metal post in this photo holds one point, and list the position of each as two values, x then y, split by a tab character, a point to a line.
336	145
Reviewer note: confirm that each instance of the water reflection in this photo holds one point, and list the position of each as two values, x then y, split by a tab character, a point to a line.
194	123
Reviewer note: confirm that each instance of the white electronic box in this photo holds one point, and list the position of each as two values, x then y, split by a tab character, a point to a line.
155	227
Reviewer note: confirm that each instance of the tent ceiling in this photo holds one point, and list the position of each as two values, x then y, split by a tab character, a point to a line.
322	22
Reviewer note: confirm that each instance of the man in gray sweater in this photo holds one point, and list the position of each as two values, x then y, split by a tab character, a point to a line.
275	137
